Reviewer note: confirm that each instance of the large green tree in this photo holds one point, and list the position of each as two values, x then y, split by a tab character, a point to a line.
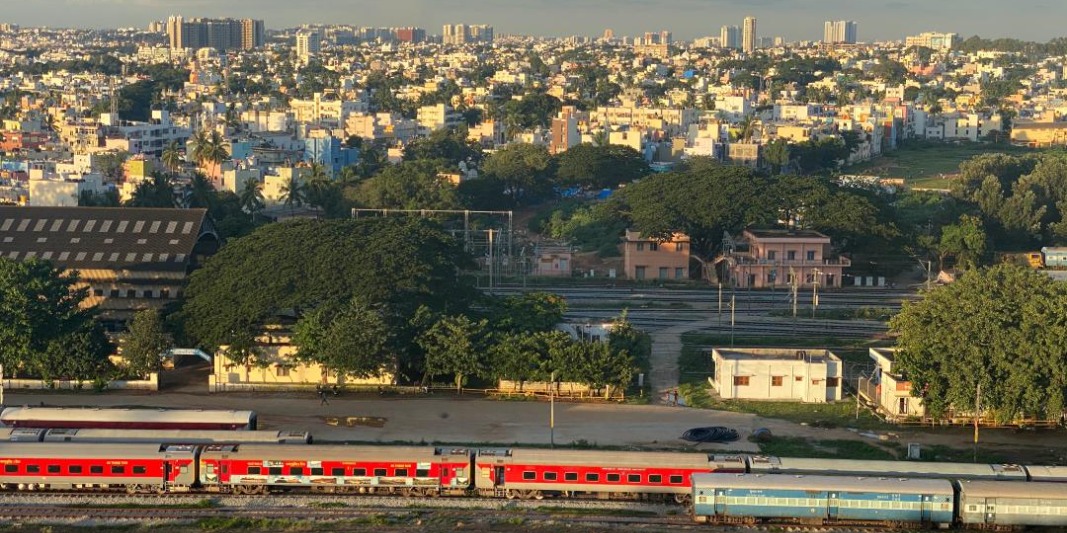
525	169
455	345
145	342
995	334
44	332
350	339
409	185
398	263
597	167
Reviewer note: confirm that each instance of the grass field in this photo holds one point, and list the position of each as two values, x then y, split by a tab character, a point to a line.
928	164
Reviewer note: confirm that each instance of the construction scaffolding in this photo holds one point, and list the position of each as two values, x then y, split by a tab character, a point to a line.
488	236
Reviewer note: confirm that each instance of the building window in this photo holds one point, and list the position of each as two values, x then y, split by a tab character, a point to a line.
740	381
776	381
282	371
799	378
652	246
679	273
772	254
663	272
680	247
640	247
811	255
639	272
164	293
131	293
149	294
833	382
98	292
791	255
114	293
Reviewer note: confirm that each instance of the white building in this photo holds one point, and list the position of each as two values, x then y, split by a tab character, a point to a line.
888	389
435	117
308	44
783	374
839	31
62	190
327	109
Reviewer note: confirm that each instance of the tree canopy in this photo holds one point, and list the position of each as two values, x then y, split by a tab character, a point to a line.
999	329
598	167
283	268
44	332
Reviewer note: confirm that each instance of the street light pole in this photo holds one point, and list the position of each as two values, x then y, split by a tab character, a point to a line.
815	291
720	304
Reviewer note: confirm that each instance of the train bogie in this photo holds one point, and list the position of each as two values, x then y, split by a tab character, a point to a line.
752	498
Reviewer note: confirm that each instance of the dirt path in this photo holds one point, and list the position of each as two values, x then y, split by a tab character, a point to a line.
666	347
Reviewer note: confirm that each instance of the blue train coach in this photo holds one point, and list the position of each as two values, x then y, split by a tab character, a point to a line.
752	498
985	504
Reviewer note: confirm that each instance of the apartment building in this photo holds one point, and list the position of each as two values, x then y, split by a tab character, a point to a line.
774	256
646	258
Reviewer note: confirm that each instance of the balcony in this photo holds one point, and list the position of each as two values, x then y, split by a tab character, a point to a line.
796	263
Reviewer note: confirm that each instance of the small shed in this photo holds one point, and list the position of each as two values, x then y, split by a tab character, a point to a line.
889	390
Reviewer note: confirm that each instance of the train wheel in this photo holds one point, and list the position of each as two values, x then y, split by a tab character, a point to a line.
682	499
538	495
512	494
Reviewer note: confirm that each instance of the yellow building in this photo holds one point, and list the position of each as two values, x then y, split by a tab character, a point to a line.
275	367
1038	134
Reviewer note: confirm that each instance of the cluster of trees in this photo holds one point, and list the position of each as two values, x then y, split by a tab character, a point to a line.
44	333
1020	199
994	336
373	295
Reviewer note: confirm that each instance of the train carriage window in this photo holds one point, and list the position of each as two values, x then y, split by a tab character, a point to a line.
115	469
11	468
422	472
337	471
570	476
96	469
401	472
254	470
316	471
296	471
53	469
551	476
33	469
74	469
592	477
140	470
675	480
633	478
274	470
655	478
359	472
529	475
379	472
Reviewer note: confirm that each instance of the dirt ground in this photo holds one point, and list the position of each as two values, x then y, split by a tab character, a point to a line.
445	418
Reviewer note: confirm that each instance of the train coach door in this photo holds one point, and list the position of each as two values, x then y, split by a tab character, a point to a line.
498	476
991	511
831	505
720	502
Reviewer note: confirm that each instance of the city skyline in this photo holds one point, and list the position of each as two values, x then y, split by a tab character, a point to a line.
687	19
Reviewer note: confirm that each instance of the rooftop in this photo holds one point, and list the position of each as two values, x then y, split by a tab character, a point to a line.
764	234
811	355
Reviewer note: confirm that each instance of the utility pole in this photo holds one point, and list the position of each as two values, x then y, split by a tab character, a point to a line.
720	304
552	411
977	416
490	261
733	306
928	267
815	291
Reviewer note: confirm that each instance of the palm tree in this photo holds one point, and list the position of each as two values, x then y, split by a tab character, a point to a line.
293	193
200	192
252	201
172	156
216	152
199	142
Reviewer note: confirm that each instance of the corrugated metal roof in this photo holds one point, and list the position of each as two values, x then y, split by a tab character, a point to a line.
281	452
114	238
886	468
610	458
79	451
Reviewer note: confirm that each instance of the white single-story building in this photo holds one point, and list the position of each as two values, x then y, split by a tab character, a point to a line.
888	389
782	374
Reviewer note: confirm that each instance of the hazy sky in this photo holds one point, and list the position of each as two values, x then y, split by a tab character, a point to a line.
793	19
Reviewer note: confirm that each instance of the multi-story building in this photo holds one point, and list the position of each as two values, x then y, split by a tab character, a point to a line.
220	34
435	117
564	131
748	35
129	258
839	32
326	109
149	138
646	258
933	40
730	37
308	44
775	257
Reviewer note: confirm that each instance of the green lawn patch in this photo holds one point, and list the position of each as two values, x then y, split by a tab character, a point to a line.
928	164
